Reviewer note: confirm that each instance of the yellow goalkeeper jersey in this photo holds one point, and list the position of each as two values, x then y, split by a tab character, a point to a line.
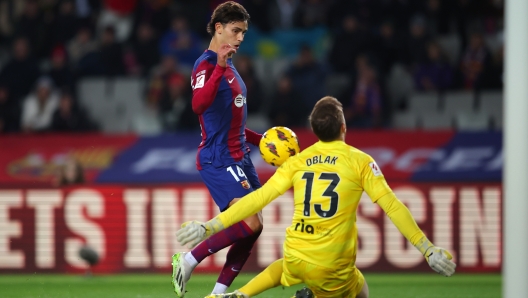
328	180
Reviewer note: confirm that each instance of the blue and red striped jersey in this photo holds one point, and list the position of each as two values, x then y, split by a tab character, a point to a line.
219	99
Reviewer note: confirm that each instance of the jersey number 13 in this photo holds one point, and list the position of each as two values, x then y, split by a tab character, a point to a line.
329	192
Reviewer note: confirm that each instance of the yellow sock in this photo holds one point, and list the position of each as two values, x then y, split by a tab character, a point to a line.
267	279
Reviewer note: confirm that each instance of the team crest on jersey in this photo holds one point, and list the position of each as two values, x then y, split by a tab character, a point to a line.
375	169
245	184
240	100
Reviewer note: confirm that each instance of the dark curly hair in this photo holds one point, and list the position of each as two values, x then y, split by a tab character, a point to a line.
225	13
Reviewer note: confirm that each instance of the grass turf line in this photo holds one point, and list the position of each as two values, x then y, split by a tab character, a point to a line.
156	285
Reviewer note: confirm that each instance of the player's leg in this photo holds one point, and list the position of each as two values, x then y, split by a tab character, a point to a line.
240	250
364	291
224	184
267	279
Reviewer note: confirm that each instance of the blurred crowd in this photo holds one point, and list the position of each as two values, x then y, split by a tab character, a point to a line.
47	46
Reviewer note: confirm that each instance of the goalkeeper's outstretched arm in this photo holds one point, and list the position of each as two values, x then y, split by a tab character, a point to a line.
194	232
438	258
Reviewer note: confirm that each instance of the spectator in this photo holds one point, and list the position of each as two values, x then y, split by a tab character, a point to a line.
60	71
181	43
21	72
283	13
70	173
117	14
244	66
387	47
82	53
32	26
312	13
308	77
287	108
416	44
145	49
475	60
69	117
176	107
438	17
365	108
9	112
148	120
435	74
66	23
492	78
156	13
166	68
259	12
38	108
111	54
347	45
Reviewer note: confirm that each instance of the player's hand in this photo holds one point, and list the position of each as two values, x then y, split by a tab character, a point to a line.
224	53
192	233
440	260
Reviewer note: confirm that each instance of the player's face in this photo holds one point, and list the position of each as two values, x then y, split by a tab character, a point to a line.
233	33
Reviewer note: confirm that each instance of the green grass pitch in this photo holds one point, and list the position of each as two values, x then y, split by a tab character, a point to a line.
155	285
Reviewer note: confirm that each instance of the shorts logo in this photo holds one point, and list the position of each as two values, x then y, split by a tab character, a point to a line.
245	184
240	101
375	169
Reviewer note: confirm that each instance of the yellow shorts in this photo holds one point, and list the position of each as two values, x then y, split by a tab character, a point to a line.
323	281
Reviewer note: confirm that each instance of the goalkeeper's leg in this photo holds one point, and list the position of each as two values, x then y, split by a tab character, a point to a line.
364	291
267	279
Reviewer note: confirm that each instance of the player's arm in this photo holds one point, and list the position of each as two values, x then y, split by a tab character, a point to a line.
194	232
253	137
380	193
206	87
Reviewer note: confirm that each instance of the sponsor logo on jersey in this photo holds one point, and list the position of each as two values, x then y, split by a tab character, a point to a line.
375	169
200	81
240	100
304	228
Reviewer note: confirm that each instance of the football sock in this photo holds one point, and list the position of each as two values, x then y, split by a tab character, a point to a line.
221	240
236	258
191	260
219	288
267	279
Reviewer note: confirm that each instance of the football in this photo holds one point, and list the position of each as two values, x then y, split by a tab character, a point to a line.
278	144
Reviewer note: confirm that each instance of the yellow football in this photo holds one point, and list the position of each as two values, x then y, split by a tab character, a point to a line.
278	144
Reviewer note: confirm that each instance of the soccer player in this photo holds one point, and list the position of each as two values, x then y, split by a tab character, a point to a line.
219	100
328	179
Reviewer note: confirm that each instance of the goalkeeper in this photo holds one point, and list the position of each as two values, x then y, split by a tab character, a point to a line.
320	248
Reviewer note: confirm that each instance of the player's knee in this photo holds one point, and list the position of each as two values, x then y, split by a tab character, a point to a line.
254	223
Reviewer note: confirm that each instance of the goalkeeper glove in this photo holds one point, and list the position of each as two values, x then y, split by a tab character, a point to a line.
194	232
439	259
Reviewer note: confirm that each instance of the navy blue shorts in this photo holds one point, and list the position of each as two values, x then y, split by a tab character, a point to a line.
231	181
